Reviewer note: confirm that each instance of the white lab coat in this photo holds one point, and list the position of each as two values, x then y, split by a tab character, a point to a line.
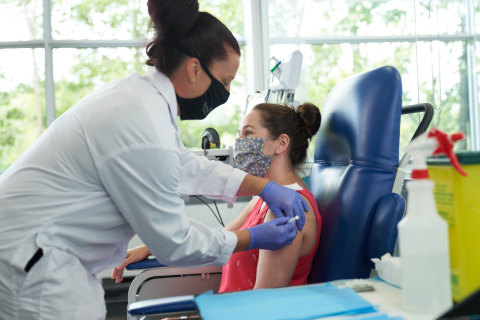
111	166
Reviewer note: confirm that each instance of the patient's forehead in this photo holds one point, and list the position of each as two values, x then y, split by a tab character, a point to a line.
251	119
252	123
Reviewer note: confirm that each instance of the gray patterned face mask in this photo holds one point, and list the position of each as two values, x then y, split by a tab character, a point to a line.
249	157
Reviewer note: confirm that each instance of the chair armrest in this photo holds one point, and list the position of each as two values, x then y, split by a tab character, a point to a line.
145	264
162	305
145	282
383	228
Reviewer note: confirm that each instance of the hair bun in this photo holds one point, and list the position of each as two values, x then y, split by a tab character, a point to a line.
173	19
308	115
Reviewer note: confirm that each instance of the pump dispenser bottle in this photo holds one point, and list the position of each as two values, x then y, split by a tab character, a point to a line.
423	234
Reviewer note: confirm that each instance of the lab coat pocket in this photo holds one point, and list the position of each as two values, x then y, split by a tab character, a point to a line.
61	288
20	258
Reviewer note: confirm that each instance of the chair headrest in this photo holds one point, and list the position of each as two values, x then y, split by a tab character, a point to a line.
347	134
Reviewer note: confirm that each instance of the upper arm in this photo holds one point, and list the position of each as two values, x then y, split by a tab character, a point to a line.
276	268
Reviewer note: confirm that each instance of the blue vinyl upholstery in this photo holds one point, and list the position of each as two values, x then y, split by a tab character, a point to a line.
356	156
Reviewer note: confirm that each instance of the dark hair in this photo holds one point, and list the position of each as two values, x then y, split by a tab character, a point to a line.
300	125
177	24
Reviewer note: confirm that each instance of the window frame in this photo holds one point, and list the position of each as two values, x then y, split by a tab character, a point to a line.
257	43
470	38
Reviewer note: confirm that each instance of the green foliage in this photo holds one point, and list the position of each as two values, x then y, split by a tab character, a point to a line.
101	14
191	131
394	16
229	12
359	14
20	122
96	67
83	11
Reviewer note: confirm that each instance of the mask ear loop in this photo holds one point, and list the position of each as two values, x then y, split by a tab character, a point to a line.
191	55
272	138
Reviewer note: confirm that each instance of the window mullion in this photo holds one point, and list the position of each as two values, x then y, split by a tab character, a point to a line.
472	79
257	44
50	113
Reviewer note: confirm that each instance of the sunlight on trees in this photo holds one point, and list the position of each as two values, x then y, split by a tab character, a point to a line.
77	72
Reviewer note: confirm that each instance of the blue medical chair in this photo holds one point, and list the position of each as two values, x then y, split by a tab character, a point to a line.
356	165
357	178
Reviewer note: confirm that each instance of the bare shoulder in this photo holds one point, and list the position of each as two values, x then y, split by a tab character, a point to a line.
310	228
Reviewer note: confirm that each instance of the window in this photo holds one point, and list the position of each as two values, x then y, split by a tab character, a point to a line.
85	44
430	42
59	51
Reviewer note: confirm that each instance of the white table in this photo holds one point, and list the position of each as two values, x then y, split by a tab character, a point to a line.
387	298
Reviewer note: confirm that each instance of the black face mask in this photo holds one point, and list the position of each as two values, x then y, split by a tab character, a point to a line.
198	108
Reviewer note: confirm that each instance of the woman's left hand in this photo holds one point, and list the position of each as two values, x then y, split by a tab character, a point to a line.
285	202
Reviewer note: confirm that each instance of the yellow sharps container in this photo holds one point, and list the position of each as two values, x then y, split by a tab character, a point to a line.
458	202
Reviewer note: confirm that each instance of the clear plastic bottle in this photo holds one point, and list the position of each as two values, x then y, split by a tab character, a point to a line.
424	252
423	234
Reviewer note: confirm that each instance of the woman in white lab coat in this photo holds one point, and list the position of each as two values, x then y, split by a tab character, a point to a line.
113	165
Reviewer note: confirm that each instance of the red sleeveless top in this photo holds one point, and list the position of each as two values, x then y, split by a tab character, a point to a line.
241	270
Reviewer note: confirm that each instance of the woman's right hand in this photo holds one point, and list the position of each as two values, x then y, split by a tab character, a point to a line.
133	255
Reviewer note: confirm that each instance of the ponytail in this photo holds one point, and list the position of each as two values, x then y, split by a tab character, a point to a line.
178	23
300	125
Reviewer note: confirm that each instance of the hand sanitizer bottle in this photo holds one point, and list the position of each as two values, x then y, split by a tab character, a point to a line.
423	234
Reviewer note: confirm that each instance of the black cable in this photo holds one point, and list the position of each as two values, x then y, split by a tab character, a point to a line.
218	212
219	218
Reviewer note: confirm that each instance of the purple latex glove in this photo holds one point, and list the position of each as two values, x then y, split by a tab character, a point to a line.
272	235
285	202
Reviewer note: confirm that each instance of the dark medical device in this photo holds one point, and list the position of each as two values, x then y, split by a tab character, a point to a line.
210	139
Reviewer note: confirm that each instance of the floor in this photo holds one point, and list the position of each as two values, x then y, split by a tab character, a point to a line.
116	295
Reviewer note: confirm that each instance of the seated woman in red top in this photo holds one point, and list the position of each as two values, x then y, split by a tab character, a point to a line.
273	141
284	135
